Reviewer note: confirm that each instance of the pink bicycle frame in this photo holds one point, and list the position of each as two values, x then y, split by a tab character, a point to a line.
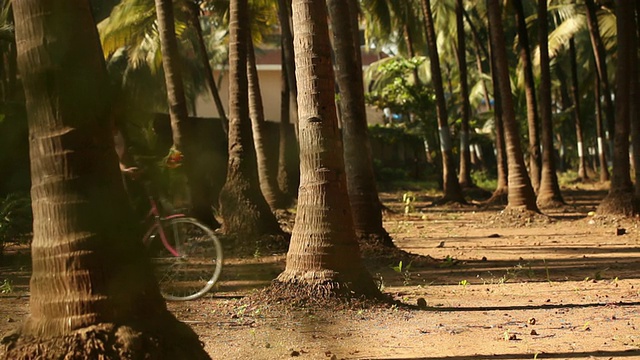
155	213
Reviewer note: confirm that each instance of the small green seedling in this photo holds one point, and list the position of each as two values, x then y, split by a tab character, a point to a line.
6	287
408	199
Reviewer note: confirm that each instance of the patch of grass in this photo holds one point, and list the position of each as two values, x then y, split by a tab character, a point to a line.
484	180
6	287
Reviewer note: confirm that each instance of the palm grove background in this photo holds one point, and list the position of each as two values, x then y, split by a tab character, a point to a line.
515	92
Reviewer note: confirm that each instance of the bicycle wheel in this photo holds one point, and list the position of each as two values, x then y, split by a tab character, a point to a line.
188	261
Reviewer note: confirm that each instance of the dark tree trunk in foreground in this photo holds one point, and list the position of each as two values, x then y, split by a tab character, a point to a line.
93	294
549	195
521	193
535	159
464	173
619	201
361	183
243	208
450	185
268	178
575	96
323	257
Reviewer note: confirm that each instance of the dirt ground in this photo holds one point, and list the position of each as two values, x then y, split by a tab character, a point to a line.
562	287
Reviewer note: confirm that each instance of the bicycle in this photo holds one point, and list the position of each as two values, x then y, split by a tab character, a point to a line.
188	261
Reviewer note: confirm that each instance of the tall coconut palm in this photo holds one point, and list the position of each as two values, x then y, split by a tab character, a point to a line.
323	257
91	286
521	193
242	206
194	20
600	138
268	179
464	174
178	113
549	193
619	200
600	55
577	116
450	185
366	207
533	122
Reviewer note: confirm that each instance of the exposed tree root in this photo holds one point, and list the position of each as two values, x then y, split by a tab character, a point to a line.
549	202
619	203
518	217
499	197
301	294
107	341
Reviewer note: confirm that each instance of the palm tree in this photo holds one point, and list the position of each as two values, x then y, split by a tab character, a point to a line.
577	116
464	174
521	193
549	193
194	12
242	206
450	185
602	157
361	184
530	94
600	55
323	257
620	200
91	286
200	202
268	180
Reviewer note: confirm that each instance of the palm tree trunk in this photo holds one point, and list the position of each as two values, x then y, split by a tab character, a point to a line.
602	156
242	207
501	192
549	193
521	193
464	174
323	257
450	185
366	207
600	55
194	11
535	163
268	180
181	128
288	160
288	57
91	286
575	96
619	200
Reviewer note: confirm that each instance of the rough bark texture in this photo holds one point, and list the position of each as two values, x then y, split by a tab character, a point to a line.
89	271
577	116
621	190
323	257
266	175
450	185
521	193
533	122
243	208
361	183
549	192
